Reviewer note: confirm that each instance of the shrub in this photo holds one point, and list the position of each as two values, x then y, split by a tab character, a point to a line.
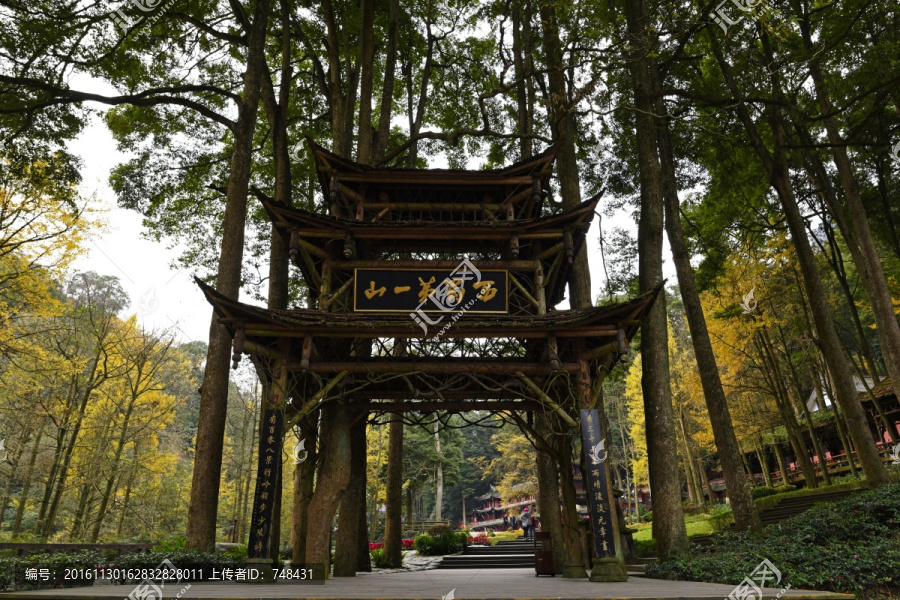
645	548
443	541
849	546
379	558
765	490
176	542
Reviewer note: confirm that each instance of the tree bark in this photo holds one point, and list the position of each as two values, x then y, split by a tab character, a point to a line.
331	485
736	487
439	476
393	493
668	514
387	91
26	484
366	59
203	509
346	549
304	479
573	565
548	494
562	124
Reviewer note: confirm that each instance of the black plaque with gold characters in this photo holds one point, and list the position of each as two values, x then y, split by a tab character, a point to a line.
595	455
463	289
266	480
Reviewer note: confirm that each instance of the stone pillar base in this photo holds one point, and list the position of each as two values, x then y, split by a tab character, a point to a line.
264	567
608	569
574	572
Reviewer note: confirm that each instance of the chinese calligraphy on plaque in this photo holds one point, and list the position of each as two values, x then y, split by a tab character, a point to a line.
269	465
431	290
598	494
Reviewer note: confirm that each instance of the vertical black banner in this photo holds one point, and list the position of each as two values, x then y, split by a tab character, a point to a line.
595	487
269	462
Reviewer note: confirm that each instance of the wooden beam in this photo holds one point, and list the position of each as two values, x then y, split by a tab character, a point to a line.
367	331
452	406
600	351
474	366
549	401
375	392
522	289
512	265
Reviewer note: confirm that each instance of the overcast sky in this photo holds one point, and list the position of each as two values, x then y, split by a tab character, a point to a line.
164	297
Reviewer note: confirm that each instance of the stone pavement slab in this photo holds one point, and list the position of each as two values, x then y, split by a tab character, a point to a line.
466	584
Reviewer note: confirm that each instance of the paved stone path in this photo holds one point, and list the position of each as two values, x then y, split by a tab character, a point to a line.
467	584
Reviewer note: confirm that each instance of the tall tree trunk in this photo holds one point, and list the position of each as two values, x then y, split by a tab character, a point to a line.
124	510
842	432
571	535
668	514
764	463
857	233
523	114
14	469
387	91
66	459
346	550
782	466
788	418
393	493
26	484
746	516
548	494
562	125
439	475
304	479
331	483
204	502
110	481
366	59
690	473
776	165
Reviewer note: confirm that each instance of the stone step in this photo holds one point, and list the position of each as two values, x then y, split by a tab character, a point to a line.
489	551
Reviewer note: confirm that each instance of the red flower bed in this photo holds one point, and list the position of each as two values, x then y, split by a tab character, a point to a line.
407	545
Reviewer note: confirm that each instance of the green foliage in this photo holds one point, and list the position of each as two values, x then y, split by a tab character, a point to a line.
851	546
176	542
645	548
240	553
765	490
379	558
12	568
443	540
768	502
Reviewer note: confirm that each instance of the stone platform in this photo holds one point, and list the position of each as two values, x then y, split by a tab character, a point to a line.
466	584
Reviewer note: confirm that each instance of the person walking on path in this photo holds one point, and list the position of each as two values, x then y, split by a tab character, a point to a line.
527	527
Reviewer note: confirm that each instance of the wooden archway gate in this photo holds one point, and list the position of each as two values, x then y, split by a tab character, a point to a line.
365	348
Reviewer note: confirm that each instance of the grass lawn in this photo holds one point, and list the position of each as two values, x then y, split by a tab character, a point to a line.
696	525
